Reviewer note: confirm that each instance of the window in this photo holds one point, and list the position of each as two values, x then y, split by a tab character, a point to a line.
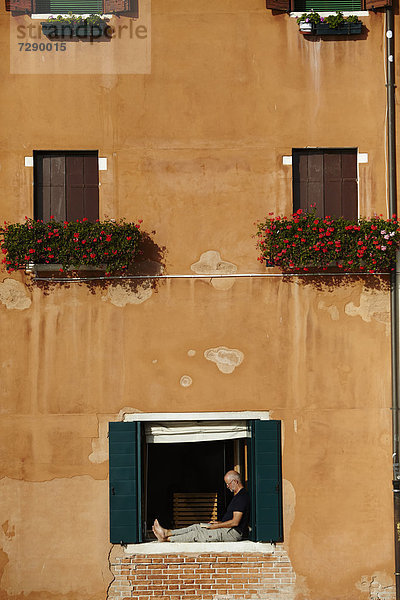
75	6
148	478
327	5
326	179
66	185
321	5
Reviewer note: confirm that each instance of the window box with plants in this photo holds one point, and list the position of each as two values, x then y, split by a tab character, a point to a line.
306	242
75	26
111	246
313	24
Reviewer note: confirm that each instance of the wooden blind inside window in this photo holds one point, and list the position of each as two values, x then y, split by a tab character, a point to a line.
326	179
66	6
327	5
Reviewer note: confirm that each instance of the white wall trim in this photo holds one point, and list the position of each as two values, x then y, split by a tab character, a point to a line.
200	548
263	415
362	158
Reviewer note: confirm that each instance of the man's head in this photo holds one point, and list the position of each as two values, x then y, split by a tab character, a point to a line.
233	481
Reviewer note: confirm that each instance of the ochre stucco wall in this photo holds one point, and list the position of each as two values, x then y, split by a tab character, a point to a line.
195	149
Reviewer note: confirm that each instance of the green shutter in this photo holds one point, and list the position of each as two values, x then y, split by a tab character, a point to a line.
327	5
125	483
66	6
265	466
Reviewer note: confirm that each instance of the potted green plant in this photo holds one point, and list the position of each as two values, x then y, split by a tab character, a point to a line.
308	21
338	24
74	26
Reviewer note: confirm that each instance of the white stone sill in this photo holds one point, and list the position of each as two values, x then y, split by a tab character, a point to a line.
200	548
346	13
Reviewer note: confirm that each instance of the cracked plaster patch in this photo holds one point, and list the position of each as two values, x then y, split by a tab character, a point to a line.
226	359
331	309
379	586
13	294
211	263
373	306
120	295
186	381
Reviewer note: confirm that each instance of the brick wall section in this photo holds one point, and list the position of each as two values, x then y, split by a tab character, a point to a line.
202	577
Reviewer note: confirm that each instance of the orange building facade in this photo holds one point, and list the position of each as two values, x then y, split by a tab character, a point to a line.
194	113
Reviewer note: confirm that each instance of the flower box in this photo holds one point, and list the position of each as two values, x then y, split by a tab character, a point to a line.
110	245
58	29
344	29
57	267
305	242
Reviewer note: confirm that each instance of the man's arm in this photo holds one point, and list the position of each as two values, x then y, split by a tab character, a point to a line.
237	516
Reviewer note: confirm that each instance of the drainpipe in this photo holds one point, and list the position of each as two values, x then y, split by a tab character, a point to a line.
395	288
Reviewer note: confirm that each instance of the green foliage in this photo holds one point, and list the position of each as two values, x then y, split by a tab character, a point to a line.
311	17
72	19
113	244
306	242
334	21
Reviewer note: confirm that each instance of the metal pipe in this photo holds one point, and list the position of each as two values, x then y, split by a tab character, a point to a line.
395	281
205	276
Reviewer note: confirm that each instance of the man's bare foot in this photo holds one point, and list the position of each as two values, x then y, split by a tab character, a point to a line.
158	536
160	533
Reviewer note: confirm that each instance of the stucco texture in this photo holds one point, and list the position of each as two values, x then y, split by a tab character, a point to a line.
195	149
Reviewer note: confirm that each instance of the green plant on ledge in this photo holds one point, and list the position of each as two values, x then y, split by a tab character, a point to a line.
334	21
311	17
306	242
112	244
72	19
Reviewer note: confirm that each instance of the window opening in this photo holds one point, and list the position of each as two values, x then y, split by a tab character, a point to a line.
66	6
327	5
184	481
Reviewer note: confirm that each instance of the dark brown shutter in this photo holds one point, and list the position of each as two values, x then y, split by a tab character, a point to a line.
50	187
340	183
326	180
371	4
82	183
282	5
333	184
308	178
121	6
21	6
349	190
7	3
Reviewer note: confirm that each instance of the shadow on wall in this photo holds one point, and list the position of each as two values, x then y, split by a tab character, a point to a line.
331	281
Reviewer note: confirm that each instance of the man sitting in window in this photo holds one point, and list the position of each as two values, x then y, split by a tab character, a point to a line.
232	528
